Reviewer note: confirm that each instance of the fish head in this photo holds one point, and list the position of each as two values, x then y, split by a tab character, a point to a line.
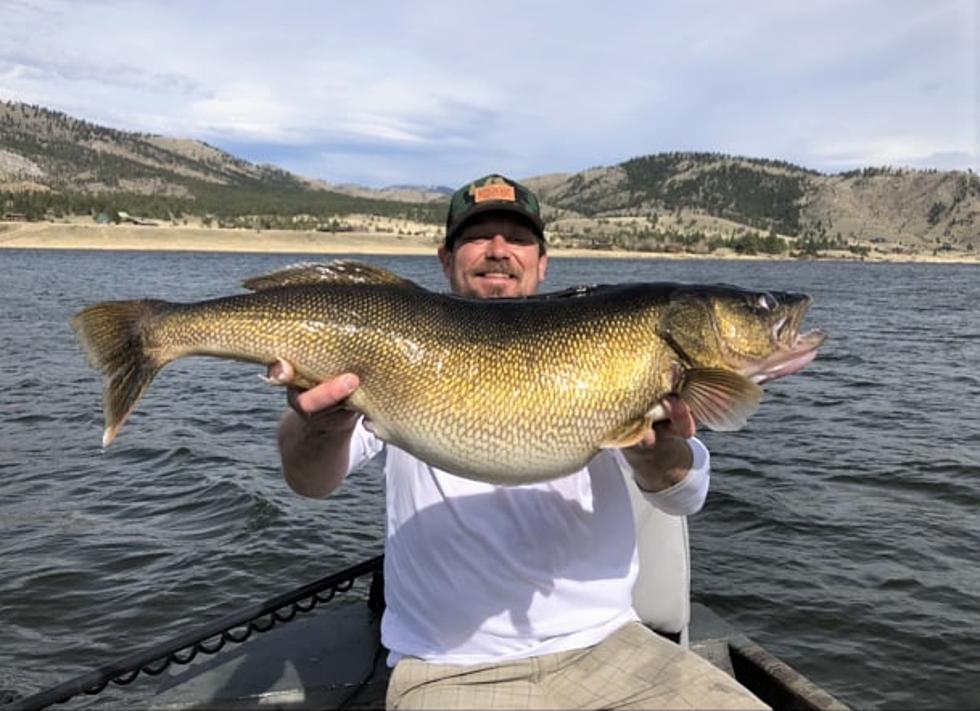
756	334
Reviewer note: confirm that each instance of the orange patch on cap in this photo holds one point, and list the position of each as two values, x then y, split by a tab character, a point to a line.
494	192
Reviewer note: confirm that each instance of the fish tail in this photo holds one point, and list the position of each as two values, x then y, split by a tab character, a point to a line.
114	336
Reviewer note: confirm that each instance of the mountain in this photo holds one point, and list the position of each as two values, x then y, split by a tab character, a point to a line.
54	151
80	164
715	194
52	163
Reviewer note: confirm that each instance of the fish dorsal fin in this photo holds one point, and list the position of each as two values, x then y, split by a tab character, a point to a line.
720	399
627	435
341	271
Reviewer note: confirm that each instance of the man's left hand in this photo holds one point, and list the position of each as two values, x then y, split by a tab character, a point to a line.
679	423
663	458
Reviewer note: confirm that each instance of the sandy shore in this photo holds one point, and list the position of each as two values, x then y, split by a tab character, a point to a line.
39	235
44	235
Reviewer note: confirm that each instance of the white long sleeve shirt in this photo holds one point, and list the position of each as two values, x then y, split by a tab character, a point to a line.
477	573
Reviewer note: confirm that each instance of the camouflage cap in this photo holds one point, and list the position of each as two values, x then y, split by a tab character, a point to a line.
492	193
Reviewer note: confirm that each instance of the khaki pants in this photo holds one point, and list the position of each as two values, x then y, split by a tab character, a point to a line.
632	668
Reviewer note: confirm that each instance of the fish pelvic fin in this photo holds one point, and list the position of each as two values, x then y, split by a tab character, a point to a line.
627	435
339	271
113	336
720	399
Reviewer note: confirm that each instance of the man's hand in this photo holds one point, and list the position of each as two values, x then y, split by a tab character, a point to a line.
315	434
321	407
663	458
679	423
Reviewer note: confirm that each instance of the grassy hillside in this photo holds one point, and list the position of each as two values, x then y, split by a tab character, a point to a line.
51	163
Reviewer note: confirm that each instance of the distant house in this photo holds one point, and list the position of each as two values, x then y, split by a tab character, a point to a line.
14	217
142	221
579	241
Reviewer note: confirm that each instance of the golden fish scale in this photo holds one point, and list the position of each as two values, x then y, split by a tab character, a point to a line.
536	403
440	373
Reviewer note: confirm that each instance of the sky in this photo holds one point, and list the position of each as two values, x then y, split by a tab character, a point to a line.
440	92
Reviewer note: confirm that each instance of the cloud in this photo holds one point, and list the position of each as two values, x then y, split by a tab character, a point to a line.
77	71
431	92
908	152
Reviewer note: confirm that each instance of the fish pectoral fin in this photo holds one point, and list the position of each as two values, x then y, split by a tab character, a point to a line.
339	271
720	399
627	435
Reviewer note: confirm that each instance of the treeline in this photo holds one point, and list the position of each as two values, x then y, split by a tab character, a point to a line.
875	171
745	242
215	202
38	205
223	201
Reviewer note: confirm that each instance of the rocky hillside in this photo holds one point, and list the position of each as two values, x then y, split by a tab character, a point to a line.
715	194
911	207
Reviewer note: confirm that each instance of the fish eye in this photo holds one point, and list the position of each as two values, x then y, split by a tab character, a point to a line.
767	302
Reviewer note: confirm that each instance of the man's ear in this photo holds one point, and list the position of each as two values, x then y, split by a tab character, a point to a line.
445	259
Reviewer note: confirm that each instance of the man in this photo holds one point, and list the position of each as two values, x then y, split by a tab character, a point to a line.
513	597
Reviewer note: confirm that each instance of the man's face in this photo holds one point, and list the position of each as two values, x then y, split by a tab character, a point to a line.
494	256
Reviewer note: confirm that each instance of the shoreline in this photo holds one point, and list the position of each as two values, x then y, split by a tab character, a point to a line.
166	238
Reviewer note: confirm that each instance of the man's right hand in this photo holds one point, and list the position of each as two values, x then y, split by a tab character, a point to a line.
315	434
322	407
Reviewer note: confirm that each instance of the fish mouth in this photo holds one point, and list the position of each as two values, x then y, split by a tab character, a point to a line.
790	359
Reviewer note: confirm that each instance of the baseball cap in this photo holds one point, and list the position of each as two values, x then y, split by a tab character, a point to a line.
492	193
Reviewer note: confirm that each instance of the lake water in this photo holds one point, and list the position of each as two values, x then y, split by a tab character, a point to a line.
841	532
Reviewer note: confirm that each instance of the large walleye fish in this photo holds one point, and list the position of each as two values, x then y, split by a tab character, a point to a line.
507	391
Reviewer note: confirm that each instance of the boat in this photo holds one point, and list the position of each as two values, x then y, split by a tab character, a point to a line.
271	655
334	659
